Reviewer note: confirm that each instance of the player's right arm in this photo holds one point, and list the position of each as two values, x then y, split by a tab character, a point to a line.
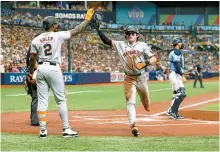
102	36
78	29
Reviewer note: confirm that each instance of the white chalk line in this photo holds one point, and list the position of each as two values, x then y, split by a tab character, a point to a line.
76	92
16	95
88	91
156	125
51	94
100	116
165	120
161	89
155	117
192	105
183	124
140	117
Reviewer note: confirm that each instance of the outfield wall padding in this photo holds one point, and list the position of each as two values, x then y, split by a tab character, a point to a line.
69	78
84	78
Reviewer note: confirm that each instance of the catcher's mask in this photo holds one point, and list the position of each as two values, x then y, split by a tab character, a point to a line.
131	29
178	40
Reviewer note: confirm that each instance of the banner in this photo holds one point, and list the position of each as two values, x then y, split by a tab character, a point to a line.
213	19
186	20
117	77
135	12
83	78
69	78
70	14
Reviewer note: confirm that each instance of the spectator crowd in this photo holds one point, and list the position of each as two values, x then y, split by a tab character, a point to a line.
67	5
89	54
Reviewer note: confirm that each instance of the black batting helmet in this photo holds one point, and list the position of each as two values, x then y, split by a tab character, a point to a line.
49	21
132	29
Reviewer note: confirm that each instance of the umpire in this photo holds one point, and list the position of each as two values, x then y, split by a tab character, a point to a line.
198	75
32	91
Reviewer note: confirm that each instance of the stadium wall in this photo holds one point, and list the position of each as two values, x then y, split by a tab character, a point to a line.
213	19
83	78
187	20
135	13
69	78
70	14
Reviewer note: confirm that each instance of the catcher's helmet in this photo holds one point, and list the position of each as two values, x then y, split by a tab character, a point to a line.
132	29
177	40
49	21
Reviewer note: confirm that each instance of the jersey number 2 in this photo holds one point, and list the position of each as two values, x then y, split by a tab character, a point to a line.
47	50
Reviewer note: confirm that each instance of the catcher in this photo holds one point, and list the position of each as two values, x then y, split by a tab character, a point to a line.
176	78
134	56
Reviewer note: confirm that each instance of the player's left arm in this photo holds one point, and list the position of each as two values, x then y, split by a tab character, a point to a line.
152	57
105	39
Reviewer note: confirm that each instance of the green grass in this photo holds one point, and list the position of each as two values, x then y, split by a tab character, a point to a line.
58	143
211	107
104	97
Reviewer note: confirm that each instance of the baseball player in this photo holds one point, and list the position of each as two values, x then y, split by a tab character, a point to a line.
176	78
134	57
48	48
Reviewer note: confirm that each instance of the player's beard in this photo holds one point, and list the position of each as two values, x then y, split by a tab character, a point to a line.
56	30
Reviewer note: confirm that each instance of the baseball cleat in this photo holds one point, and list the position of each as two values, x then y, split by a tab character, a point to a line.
179	116
135	132
168	112
43	134
173	116
35	124
67	133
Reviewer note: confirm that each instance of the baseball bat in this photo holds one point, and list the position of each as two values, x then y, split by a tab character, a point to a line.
23	70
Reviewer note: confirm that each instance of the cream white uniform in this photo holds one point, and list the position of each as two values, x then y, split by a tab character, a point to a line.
132	58
49	75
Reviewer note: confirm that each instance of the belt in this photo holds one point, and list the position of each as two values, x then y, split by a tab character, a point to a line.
133	74
51	63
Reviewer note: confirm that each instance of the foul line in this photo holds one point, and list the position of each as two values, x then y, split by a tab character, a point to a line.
78	92
51	94
161	89
157	114
183	124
